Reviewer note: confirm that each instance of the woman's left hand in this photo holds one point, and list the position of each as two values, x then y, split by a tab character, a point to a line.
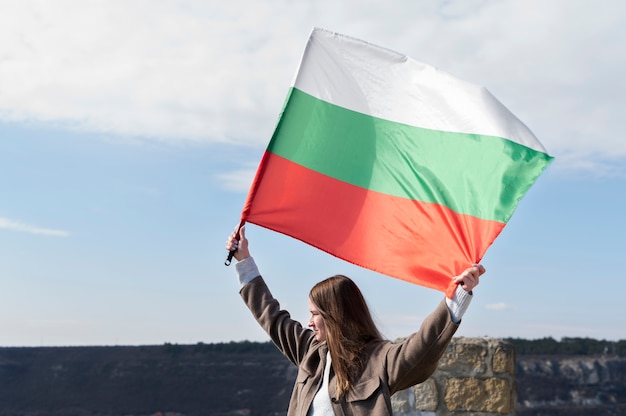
237	241
470	277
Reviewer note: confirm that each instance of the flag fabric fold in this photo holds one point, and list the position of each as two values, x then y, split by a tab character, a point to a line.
391	164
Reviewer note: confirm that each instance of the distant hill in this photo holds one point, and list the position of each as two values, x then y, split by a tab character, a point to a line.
574	376
202	379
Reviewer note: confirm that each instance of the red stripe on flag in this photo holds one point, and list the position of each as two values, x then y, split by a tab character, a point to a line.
395	236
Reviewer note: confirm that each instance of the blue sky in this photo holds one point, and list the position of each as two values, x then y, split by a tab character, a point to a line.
130	131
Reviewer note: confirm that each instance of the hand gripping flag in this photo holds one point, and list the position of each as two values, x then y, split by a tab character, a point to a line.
391	164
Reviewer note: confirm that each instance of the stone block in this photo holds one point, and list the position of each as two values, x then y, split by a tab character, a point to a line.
465	355
426	395
478	395
504	359
400	402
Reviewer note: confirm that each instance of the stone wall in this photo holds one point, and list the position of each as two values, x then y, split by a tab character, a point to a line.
476	376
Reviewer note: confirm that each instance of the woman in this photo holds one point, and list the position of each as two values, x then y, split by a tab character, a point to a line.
344	365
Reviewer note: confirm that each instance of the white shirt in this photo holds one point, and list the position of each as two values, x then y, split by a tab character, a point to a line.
322	405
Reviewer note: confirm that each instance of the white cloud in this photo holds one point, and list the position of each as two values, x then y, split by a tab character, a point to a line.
178	71
500	306
238	180
26	228
219	71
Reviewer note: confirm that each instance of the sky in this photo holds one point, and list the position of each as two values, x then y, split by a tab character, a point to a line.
130	132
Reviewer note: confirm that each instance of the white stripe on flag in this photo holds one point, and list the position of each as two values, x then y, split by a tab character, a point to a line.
372	80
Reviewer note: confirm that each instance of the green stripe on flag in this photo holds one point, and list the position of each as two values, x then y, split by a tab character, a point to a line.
407	161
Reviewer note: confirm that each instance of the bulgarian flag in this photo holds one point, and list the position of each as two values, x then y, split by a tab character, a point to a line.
391	164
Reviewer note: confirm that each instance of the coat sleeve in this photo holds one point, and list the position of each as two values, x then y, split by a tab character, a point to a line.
287	334
415	358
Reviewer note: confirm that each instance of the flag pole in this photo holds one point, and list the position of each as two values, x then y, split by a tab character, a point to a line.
229	259
231	253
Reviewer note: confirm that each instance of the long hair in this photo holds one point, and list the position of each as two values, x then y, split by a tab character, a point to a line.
349	326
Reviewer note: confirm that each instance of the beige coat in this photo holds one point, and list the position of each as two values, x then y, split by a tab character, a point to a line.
390	367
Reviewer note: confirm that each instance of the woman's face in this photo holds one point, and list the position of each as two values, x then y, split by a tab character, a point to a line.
316	322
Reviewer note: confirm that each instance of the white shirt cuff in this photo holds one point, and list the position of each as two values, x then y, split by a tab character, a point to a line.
246	270
459	303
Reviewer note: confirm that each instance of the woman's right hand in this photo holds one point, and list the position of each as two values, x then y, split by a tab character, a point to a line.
239	243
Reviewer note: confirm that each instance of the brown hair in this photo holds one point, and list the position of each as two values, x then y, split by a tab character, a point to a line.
349	326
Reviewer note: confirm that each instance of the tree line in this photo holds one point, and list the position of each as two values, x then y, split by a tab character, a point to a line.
542	346
568	346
